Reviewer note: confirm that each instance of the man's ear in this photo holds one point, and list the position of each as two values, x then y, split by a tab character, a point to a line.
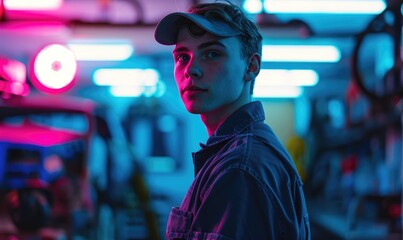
253	67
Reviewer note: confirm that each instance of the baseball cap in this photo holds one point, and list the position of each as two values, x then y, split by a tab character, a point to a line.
167	29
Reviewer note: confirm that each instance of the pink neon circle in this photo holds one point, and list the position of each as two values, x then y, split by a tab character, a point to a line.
54	69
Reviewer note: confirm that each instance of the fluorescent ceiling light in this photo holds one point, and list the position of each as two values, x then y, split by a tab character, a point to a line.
125	77
284	77
277	92
156	90
101	51
32	4
325	6
253	6
130	82
126	92
283	83
300	53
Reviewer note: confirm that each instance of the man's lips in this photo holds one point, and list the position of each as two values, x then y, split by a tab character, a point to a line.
193	89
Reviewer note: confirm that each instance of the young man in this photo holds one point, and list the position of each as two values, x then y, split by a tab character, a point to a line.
246	185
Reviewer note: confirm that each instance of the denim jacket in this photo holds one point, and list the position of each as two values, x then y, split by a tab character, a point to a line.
246	186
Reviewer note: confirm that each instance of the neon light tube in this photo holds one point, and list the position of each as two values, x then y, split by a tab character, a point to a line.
325	6
157	90
101	52
32	5
126	92
136	91
283	77
130	82
125	77
277	92
300	53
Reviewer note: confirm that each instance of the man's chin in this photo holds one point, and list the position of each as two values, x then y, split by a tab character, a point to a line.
193	109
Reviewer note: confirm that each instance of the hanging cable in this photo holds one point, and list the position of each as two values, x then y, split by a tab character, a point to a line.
392	80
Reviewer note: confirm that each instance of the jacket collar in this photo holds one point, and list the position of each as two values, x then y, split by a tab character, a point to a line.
237	122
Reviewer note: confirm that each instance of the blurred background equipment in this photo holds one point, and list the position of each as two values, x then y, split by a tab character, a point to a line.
95	142
48	179
44	180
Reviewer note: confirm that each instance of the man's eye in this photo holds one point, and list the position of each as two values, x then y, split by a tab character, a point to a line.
212	54
181	58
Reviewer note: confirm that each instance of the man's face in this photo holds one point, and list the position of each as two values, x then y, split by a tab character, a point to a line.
209	73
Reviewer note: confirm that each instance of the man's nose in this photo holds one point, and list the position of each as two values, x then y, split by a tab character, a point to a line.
193	69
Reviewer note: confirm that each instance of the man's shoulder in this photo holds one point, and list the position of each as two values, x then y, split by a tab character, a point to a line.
259	149
254	150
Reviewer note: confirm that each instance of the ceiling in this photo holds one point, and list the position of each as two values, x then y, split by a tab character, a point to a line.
24	33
